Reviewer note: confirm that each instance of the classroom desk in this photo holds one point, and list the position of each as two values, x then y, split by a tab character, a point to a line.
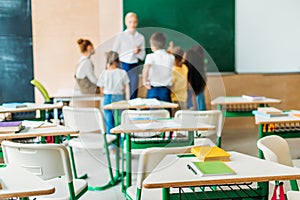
18	182
286	126
29	132
74	95
31	107
172	172
239	106
157	126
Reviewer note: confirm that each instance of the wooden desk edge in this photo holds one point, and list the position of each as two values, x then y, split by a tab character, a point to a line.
252	102
118	131
217	182
28	194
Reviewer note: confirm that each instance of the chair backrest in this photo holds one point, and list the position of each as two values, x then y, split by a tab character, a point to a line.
210	117
42	89
275	149
143	114
84	119
151	157
44	160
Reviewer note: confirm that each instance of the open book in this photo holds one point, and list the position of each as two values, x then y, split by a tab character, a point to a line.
210	153
143	102
253	98
210	168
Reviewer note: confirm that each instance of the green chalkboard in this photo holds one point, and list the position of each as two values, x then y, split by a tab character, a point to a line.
16	57
208	22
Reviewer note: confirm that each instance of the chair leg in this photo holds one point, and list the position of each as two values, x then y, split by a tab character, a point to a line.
84	176
113	179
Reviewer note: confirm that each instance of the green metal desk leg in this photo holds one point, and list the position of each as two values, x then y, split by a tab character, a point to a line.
165	193
264	186
128	160
191	137
260	135
123	164
294	185
219	141
113	179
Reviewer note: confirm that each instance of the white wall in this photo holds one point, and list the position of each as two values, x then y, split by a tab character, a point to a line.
267	36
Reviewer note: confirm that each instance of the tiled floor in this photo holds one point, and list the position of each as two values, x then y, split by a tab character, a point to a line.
93	162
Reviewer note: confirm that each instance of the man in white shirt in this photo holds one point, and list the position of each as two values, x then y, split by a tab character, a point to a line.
130	45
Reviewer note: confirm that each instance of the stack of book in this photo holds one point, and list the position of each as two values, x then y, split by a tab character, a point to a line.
270	112
210	153
211	161
10	127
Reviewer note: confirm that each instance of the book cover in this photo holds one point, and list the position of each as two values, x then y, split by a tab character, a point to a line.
11	126
210	153
211	168
14	105
253	98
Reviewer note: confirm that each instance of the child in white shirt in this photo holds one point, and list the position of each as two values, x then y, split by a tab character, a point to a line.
113	83
157	72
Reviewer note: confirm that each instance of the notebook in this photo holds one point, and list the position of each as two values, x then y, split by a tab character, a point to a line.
210	168
210	153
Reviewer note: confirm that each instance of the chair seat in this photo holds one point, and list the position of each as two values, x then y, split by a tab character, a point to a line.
293	195
62	190
90	141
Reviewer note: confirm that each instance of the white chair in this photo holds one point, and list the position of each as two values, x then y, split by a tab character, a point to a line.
276	149
210	117
293	195
146	137
92	133
48	161
148	160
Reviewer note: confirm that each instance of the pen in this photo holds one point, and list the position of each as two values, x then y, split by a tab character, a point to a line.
39	126
190	168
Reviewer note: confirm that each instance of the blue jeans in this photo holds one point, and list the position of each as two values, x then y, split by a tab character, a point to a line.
133	74
160	93
108	114
201	101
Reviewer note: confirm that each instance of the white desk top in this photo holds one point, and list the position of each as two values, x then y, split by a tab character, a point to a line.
125	105
161	126
240	100
17	182
30	107
259	119
70	94
30	132
172	172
